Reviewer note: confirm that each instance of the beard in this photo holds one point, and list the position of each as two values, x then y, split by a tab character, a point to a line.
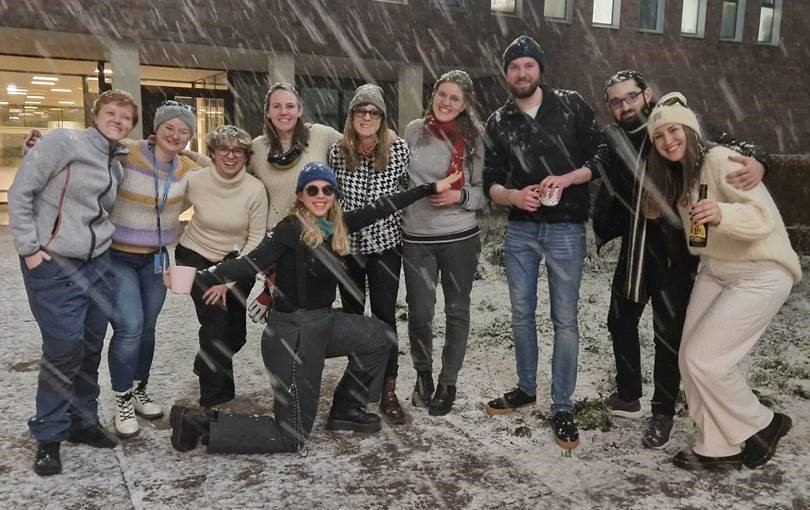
637	121
530	88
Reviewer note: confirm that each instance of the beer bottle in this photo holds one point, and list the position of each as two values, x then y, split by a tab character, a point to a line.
699	234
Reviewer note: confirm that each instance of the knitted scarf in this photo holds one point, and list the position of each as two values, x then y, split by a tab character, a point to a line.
366	148
448	131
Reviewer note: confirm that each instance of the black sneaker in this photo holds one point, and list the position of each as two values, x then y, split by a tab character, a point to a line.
94	436
623	408
565	430
188	426
658	431
760	447
691	461
353	418
423	389
443	400
510	401
47	461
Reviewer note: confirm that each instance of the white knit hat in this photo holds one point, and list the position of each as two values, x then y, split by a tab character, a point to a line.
672	109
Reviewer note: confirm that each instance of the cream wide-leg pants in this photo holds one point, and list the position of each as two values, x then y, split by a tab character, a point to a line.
731	305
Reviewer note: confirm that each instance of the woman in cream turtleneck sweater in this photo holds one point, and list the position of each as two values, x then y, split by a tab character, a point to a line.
230	218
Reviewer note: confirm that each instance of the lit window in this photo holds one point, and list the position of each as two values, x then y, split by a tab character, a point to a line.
651	15
504	6
606	12
693	18
770	19
558	9
731	21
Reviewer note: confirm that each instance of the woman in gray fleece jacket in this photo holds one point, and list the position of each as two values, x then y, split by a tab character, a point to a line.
441	235
59	214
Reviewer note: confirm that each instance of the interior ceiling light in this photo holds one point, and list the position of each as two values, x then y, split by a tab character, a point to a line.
41	82
61	90
67	102
35	97
45	78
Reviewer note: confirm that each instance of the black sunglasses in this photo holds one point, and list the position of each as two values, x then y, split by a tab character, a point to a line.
172	102
313	190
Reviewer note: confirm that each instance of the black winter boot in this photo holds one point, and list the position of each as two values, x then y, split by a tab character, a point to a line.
47	461
423	390
352	418
442	401
188	427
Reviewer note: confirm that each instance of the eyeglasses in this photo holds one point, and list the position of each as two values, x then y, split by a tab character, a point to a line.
238	152
171	102
628	99
312	190
361	113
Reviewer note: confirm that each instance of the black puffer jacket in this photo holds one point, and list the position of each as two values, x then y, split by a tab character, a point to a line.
522	150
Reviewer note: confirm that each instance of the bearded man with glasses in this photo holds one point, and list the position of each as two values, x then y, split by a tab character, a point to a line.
654	262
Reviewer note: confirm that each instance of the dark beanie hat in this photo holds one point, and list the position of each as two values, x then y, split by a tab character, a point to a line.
315	172
524	46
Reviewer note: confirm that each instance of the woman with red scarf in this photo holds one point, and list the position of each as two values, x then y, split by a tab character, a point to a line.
441	237
370	163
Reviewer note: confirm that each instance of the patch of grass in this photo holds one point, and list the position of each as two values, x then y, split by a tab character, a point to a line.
593	414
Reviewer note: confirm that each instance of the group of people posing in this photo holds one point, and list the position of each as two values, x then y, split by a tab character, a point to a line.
313	210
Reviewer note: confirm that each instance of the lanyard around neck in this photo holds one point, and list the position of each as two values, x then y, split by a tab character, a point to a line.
161	204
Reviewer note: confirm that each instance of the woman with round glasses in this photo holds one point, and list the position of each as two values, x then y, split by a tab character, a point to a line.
441	240
302	328
147	220
230	215
747	270
369	164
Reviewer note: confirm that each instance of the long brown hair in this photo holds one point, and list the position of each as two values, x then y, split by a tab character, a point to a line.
312	235
301	130
663	189
348	145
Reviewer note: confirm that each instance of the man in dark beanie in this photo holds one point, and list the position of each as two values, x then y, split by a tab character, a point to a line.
654	262
544	148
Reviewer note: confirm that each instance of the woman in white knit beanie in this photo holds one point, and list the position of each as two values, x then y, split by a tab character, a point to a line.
746	273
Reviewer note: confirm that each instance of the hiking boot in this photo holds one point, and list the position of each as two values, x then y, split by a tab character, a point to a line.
353	418
126	424
510	401
389	404
442	401
760	447
94	436
423	389
658	431
565	430
47	461
143	403
188	427
689	460
623	408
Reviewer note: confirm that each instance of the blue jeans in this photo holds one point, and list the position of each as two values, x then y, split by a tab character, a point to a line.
139	297
71	302
562	246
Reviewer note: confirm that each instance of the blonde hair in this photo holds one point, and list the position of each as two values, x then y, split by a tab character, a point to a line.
119	97
312	235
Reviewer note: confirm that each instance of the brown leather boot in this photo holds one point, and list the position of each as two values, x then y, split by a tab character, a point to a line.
389	404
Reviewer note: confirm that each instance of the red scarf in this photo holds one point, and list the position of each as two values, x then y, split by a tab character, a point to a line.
448	131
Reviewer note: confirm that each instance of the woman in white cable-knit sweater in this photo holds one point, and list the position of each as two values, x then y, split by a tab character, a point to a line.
747	270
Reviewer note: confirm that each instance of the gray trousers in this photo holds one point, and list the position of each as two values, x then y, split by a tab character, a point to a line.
455	263
294	346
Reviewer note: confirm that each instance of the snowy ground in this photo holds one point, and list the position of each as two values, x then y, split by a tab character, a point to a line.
463	460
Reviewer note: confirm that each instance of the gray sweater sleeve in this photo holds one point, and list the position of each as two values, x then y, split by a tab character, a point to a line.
476	198
46	159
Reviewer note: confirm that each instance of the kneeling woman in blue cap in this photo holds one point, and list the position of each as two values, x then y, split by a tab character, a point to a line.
302	328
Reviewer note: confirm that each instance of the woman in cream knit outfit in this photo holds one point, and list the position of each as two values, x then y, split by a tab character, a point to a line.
747	271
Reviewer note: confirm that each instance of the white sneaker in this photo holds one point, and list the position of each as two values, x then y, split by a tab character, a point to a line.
144	405
126	425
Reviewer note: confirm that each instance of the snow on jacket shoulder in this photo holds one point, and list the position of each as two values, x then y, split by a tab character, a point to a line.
522	150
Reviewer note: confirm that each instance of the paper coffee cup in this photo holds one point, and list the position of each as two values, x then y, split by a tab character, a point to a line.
182	278
551	197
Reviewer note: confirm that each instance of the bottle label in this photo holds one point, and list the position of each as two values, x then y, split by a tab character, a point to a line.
697	231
